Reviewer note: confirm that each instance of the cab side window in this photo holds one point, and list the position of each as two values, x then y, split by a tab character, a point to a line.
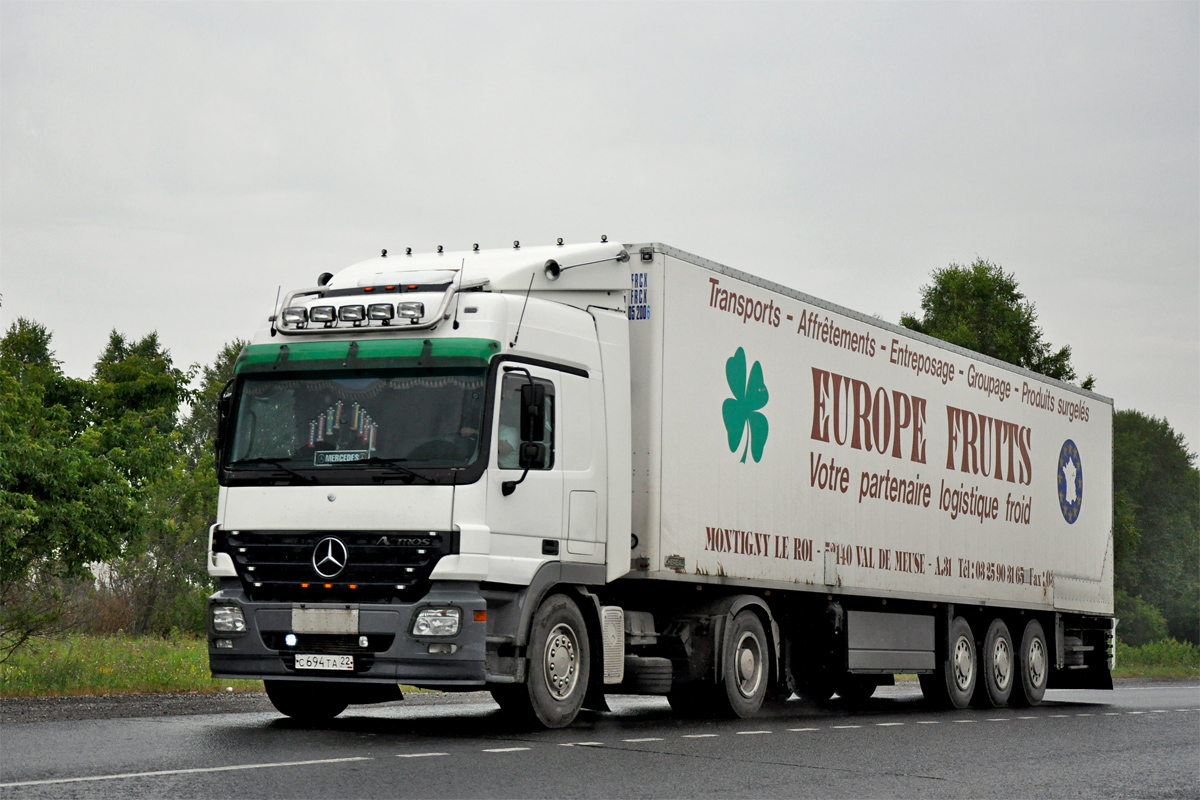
509	433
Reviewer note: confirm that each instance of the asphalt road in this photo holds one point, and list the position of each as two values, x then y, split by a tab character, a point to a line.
1141	740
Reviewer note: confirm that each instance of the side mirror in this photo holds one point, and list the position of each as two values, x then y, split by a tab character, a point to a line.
531	455
224	406
533	412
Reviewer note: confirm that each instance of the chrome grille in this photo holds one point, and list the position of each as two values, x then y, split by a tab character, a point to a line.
279	565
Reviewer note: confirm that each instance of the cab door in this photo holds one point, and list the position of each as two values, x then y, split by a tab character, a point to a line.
521	521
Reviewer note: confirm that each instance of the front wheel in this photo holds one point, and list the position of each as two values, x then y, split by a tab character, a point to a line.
310	701
559	660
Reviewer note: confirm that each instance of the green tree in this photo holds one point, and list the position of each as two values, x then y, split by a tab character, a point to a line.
64	503
1156	490
163	584
200	427
981	308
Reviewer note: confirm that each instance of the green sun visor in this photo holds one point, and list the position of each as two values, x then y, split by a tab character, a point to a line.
367	354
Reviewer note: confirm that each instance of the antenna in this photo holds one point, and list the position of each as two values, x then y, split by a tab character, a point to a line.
462	268
275	308
517	335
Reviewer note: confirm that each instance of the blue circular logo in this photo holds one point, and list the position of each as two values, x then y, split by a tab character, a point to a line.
1070	481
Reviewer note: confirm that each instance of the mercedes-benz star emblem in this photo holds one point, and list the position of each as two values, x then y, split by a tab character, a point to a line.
329	557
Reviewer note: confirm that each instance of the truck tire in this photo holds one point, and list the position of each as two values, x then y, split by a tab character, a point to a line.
998	668
953	683
1033	666
745	670
559	659
310	701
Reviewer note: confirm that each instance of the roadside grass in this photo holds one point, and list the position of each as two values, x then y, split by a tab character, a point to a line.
81	664
1165	658
103	665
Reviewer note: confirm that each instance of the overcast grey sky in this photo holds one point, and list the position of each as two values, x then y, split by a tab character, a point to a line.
166	166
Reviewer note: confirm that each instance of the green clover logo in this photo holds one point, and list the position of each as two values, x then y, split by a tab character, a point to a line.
742	410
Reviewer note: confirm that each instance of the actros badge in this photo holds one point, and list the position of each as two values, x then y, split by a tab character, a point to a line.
329	557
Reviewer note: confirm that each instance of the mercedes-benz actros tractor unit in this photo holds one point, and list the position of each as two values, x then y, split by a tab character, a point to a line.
562	472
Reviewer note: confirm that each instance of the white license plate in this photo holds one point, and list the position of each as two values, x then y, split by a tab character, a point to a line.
308	661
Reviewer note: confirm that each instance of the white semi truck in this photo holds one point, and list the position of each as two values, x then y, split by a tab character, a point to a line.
560	472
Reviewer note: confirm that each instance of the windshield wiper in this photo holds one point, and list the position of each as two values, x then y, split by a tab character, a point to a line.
274	462
393	463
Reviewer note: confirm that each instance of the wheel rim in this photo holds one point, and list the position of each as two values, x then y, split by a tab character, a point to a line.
1036	663
964	665
748	664
561	661
1001	663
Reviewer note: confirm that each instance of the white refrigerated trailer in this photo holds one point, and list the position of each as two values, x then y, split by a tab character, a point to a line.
560	472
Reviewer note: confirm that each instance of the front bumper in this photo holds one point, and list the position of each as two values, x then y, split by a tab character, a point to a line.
393	655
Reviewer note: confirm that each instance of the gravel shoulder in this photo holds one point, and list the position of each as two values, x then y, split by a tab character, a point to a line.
17	710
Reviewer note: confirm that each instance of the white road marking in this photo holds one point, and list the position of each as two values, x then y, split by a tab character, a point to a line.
1026	717
581	744
964	720
700	736
750	733
419	755
887	724
1112	713
929	722
505	749
998	719
801	730
1135	712
841	727
647	739
1059	716
191	771
1085	715
1160	711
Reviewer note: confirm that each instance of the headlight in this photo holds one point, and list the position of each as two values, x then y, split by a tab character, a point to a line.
410	310
437	622
295	315
352	313
380	311
228	619
322	313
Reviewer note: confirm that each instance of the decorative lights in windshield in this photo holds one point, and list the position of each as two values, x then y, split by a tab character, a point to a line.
356	314
349	433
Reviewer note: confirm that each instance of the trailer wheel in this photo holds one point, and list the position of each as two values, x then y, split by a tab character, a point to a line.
745	670
1033	666
559	659
310	701
953	683
999	667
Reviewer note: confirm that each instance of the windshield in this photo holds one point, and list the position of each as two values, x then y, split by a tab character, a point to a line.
326	420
